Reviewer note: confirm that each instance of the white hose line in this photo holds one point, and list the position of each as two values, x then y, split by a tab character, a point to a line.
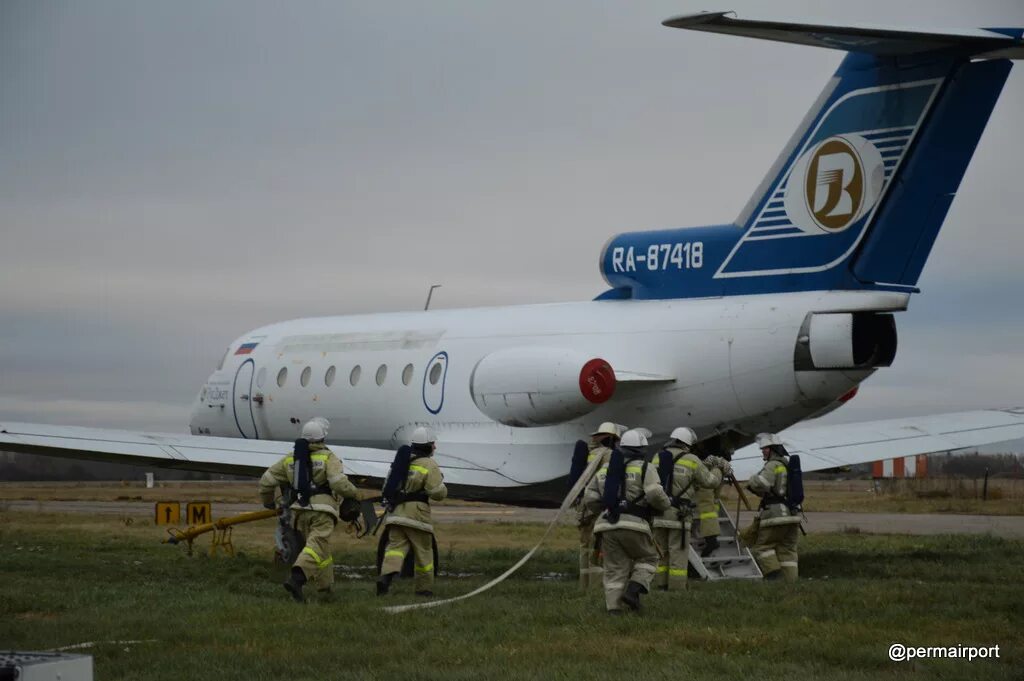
92	644
573	493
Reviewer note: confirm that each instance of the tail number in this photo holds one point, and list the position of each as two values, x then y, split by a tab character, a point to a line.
683	255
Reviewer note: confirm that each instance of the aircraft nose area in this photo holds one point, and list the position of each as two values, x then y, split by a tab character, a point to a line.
195	425
207	407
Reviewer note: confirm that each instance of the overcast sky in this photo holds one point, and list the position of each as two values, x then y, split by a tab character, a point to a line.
173	174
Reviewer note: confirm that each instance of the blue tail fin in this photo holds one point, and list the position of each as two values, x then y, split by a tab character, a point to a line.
858	195
863	193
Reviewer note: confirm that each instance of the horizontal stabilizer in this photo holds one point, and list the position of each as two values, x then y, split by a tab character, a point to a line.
877	40
822	447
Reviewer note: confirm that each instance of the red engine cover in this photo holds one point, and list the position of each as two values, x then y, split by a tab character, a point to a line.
597	381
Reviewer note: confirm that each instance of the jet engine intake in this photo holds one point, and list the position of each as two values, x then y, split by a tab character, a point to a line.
846	340
527	387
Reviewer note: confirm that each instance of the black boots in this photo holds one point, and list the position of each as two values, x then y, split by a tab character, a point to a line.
710	544
384	583
631	597
293	585
773	576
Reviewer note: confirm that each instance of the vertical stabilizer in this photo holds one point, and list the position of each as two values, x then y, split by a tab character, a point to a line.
857	197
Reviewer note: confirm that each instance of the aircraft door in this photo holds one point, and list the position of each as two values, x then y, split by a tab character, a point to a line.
242	402
434	379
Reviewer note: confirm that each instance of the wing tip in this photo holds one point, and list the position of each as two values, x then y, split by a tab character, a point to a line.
695	19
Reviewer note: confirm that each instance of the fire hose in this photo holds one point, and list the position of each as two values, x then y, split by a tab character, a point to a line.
588	473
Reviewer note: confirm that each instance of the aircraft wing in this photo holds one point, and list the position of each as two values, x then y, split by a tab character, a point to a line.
211	454
822	447
819	447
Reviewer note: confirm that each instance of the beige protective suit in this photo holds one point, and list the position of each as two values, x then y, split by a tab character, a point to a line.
707	511
629	552
778	529
409	525
316	522
590	568
672	528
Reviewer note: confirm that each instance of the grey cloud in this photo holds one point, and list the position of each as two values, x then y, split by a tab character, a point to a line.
130	415
177	174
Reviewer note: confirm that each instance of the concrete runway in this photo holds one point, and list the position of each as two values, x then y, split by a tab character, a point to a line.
1011	527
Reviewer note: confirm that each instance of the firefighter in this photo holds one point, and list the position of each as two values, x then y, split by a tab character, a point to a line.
626	492
602	441
316	480
413	482
778	526
707	511
683	475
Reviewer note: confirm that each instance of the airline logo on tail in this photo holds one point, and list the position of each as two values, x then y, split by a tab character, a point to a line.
834	184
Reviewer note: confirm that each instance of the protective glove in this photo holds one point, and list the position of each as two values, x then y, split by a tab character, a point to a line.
269	505
350	509
719	463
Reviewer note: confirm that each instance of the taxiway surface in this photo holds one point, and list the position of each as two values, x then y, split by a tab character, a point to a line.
1011	527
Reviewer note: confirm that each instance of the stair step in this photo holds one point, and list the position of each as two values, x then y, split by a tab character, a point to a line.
714	560
732	560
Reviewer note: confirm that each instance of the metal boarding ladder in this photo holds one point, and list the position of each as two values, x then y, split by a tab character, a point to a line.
731	560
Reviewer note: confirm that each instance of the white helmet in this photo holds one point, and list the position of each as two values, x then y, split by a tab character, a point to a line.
633	438
767	440
422	436
684	435
315	430
606	428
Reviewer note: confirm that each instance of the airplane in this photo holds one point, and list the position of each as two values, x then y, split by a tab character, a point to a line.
733	329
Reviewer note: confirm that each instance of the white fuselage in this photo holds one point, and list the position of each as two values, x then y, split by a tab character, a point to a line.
730	361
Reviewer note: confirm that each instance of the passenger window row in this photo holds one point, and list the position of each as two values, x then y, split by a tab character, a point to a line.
353	377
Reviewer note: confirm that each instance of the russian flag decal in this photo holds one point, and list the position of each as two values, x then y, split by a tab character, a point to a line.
245	348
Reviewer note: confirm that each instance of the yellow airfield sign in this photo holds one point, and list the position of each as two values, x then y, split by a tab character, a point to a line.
198	513
168	512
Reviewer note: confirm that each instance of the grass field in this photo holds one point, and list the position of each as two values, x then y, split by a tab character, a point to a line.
68	579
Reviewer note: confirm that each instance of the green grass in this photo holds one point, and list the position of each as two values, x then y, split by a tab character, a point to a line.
64	581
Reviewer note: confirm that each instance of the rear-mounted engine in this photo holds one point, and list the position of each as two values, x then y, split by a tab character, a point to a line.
845	340
540	386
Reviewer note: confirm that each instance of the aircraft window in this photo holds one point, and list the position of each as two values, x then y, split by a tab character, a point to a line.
282	376
353	377
435	373
382	373
261	377
304	378
407	374
329	377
